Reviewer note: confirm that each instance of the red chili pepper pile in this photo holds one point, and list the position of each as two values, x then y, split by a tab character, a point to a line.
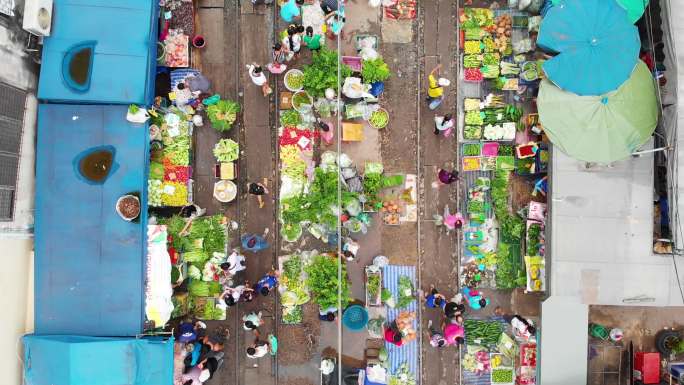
292	135
176	173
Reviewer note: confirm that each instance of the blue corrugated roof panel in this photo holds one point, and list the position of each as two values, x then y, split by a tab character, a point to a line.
124	33
90	263
76	360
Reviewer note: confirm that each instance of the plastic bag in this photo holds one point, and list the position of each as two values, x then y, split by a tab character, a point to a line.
354	89
348	172
329	157
345	160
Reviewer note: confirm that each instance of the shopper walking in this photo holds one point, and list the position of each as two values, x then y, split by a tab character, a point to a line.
289	10
267	283
252	321
435	300
445	177
444	125
254	243
259	190
436	88
259	78
437	340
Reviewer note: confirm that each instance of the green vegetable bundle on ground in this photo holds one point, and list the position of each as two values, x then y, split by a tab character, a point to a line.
223	114
406	295
322	72
482	332
322	280
374	70
226	150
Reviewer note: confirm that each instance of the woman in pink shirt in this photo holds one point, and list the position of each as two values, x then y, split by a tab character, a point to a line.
453	333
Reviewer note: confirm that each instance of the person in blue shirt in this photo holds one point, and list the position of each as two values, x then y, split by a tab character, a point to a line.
475	299
290	10
434	299
266	284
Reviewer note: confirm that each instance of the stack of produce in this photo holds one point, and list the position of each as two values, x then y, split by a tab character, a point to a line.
200	247
170	158
293	292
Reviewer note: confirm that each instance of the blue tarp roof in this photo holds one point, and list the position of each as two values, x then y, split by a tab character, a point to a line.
125	35
90	263
72	360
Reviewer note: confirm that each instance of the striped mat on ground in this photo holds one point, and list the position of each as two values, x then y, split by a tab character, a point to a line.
398	355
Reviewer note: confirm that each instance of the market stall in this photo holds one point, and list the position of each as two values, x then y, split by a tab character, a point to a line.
399	285
494	354
504	155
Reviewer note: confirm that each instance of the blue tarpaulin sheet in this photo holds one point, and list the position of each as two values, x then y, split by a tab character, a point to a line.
405	354
90	263
124	34
75	360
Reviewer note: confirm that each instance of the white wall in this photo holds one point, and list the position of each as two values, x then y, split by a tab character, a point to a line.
16	284
564	341
16	242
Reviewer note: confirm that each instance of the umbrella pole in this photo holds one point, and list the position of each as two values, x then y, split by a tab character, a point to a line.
639	153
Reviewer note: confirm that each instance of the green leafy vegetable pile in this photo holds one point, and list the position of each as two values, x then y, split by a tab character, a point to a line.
226	150
323	283
316	206
373	285
375	70
508	271
290	118
533	237
406	295
371	185
223	114
322	72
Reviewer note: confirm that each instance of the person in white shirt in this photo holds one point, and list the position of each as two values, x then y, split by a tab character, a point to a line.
444	124
259	78
258	349
234	263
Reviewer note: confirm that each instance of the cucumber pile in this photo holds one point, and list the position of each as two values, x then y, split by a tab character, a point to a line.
483	332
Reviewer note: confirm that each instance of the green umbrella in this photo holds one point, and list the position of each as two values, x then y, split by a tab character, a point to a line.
603	128
635	8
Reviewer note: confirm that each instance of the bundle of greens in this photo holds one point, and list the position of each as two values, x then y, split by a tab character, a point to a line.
223	114
226	150
371	185
405	289
508	272
316	206
373	285
374	70
533	239
322	280
322	72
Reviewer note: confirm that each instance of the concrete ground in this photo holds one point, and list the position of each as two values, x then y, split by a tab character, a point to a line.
238	34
